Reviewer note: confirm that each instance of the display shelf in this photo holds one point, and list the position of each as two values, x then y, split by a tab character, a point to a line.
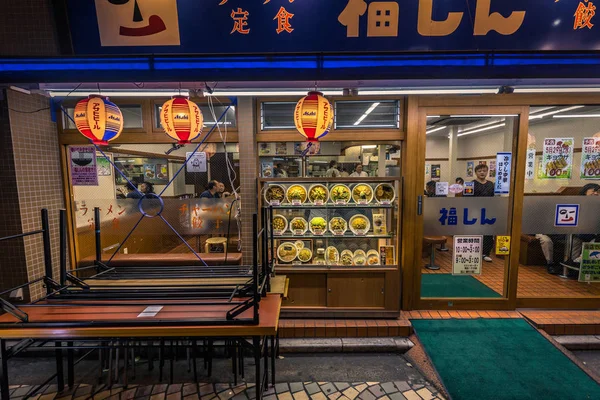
331	236
327	206
287	268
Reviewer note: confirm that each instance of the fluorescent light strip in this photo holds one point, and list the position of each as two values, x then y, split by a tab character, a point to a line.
539	116
426	91
433	116
483	125
482	129
484	115
577	116
366	114
118	93
558	90
370	146
435	130
267	93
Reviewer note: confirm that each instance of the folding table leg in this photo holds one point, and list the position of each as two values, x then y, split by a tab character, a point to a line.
234	362
70	365
257	360
273	360
173	356
125	361
60	376
194	352
4	390
266	359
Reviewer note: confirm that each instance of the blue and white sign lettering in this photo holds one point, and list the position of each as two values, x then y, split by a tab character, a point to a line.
314	26
465	216
503	164
566	215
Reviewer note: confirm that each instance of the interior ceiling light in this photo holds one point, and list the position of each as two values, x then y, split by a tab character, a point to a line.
539	116
366	114
119	93
557	90
370	146
471	128
439	128
487	128
484	116
577	116
433	116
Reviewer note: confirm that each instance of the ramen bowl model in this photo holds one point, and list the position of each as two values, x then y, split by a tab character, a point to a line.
318	226
274	194
359	225
385	193
318	194
338	226
362	193
280	224
287	252
305	255
340	194
298	226
346	258
296	194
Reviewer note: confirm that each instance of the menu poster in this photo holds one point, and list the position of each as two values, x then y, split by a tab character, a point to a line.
281	148
149	171
557	159
590	158
589	270
436	172
504	162
103	164
492	169
83	166
470	167
265	149
466	258
530	166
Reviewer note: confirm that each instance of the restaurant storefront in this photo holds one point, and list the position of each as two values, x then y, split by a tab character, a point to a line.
404	233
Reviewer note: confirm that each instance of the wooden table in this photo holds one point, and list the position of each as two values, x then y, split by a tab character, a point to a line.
67	323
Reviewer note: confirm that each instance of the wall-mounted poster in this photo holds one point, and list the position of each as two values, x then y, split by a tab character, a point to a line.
504	162
265	149
436	172
427	169
470	168
492	169
530	166
300	147
149	171
482	163
103	165
281	148
590	158
557	158
196	162
83	166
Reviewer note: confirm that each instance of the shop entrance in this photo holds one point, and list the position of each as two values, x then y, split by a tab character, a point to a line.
466	206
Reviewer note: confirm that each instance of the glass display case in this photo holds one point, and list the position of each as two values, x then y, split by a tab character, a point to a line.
332	223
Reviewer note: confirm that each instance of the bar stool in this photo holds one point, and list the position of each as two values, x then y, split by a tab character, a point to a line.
432	241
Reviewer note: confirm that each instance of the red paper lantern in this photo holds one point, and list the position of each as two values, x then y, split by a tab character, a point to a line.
98	119
313	116
181	119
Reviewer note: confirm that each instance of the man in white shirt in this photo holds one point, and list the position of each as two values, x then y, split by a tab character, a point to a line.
358	172
332	172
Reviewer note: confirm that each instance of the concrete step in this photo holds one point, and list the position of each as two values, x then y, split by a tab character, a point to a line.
579	342
346	345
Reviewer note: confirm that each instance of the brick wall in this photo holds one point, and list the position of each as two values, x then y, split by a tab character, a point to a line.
13	271
27	28
248	156
38	176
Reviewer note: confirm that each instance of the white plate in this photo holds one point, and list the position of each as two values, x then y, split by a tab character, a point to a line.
336	256
358	200
272	201
336	201
278	232
315	231
309	257
349	254
341	232
359	232
298	231
319	202
289	246
385	201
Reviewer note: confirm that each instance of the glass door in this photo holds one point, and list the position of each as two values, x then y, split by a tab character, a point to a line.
466	205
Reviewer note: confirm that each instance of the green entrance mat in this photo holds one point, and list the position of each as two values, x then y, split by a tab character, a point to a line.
446	285
501	359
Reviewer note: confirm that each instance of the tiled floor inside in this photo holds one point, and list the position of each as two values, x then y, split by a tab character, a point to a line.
398	390
534	281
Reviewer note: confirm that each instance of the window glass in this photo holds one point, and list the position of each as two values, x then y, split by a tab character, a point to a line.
277	115
367	114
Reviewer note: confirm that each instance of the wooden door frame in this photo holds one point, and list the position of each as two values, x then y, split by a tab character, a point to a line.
416	110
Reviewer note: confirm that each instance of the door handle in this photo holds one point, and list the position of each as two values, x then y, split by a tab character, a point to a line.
420	205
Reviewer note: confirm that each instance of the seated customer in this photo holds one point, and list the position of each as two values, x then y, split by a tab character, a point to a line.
547	246
591	189
211	191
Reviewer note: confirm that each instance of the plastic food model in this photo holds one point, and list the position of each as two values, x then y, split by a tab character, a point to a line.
287	252
296	193
362	193
304	255
279	223
384	192
332	255
318	224
338	225
359	224
274	193
340	193
318	193
346	258
298	226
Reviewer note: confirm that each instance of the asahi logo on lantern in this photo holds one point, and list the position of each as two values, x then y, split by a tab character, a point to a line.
138	22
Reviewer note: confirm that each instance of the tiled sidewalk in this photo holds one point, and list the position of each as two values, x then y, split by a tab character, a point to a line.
282	391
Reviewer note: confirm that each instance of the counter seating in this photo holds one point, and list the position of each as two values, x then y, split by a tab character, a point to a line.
168	260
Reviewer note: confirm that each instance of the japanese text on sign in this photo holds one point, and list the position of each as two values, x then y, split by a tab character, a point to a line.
503	164
557	161
502	245
450	217
530	165
466	258
590	158
589	270
83	166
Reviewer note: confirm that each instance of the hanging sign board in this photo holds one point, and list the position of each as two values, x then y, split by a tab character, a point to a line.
83	166
466	258
590	158
557	161
530	165
589	270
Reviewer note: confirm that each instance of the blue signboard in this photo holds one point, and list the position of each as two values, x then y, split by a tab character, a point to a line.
314	26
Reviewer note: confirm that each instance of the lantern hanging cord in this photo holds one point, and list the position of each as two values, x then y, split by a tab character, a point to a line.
44	108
